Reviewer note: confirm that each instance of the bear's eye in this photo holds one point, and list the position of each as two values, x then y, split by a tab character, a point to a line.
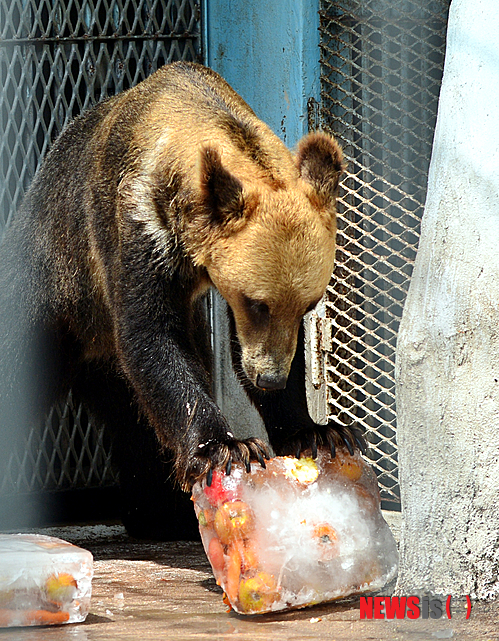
257	309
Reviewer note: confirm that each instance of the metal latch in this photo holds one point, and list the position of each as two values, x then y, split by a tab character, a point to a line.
320	337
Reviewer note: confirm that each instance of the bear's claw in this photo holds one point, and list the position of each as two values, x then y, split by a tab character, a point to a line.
331	435
221	455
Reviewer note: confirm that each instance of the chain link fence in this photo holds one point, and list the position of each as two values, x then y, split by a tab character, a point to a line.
57	58
381	69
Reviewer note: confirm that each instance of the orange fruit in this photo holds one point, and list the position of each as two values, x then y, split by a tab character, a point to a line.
216	556
233	520
327	540
233	573
348	466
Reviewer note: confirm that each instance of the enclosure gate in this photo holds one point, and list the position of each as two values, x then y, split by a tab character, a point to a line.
381	69
58	57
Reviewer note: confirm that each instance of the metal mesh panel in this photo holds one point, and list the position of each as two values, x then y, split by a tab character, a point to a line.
381	68
57	58
70	452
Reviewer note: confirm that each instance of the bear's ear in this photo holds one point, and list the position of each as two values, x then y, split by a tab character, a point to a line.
222	193
320	162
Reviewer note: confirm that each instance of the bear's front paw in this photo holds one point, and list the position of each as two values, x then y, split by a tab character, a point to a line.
332	435
217	454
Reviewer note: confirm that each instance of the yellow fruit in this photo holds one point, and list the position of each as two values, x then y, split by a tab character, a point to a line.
349	467
304	470
233	520
257	593
61	588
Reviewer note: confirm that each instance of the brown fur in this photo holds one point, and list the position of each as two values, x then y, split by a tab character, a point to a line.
273	212
143	204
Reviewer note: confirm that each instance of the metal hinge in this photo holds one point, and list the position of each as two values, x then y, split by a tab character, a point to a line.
313	115
318	340
320	333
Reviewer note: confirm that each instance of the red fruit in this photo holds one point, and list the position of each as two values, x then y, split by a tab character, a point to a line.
216	493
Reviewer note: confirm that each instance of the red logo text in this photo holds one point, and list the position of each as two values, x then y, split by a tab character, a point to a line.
411	607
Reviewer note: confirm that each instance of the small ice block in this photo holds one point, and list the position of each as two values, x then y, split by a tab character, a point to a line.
298	533
43	580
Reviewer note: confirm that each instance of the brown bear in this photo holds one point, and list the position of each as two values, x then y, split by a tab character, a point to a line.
143	203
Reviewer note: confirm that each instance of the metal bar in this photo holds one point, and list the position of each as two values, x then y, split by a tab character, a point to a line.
85	39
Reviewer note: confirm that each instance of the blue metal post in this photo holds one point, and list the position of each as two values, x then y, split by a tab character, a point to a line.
268	50
269	53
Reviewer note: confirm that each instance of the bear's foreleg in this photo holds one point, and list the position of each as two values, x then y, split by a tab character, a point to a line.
157	348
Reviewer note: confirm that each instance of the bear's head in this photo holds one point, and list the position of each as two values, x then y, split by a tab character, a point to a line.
269	249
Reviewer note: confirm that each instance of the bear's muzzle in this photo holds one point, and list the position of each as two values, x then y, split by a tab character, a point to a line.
271	381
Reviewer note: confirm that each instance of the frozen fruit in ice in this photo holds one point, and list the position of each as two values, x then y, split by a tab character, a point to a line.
43	580
233	520
216	492
225	601
60	588
304	470
369	500
6	598
216	555
347	466
258	592
371	571
205	518
233	572
249	555
17	617
299	532
326	539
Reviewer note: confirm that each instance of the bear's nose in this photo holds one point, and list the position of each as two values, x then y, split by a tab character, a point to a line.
271	382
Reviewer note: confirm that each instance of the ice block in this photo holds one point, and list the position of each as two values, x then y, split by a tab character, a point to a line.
300	532
43	580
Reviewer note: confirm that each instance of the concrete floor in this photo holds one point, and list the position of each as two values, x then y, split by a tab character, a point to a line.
149	590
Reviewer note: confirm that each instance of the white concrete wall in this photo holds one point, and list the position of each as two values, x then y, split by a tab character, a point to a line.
448	346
